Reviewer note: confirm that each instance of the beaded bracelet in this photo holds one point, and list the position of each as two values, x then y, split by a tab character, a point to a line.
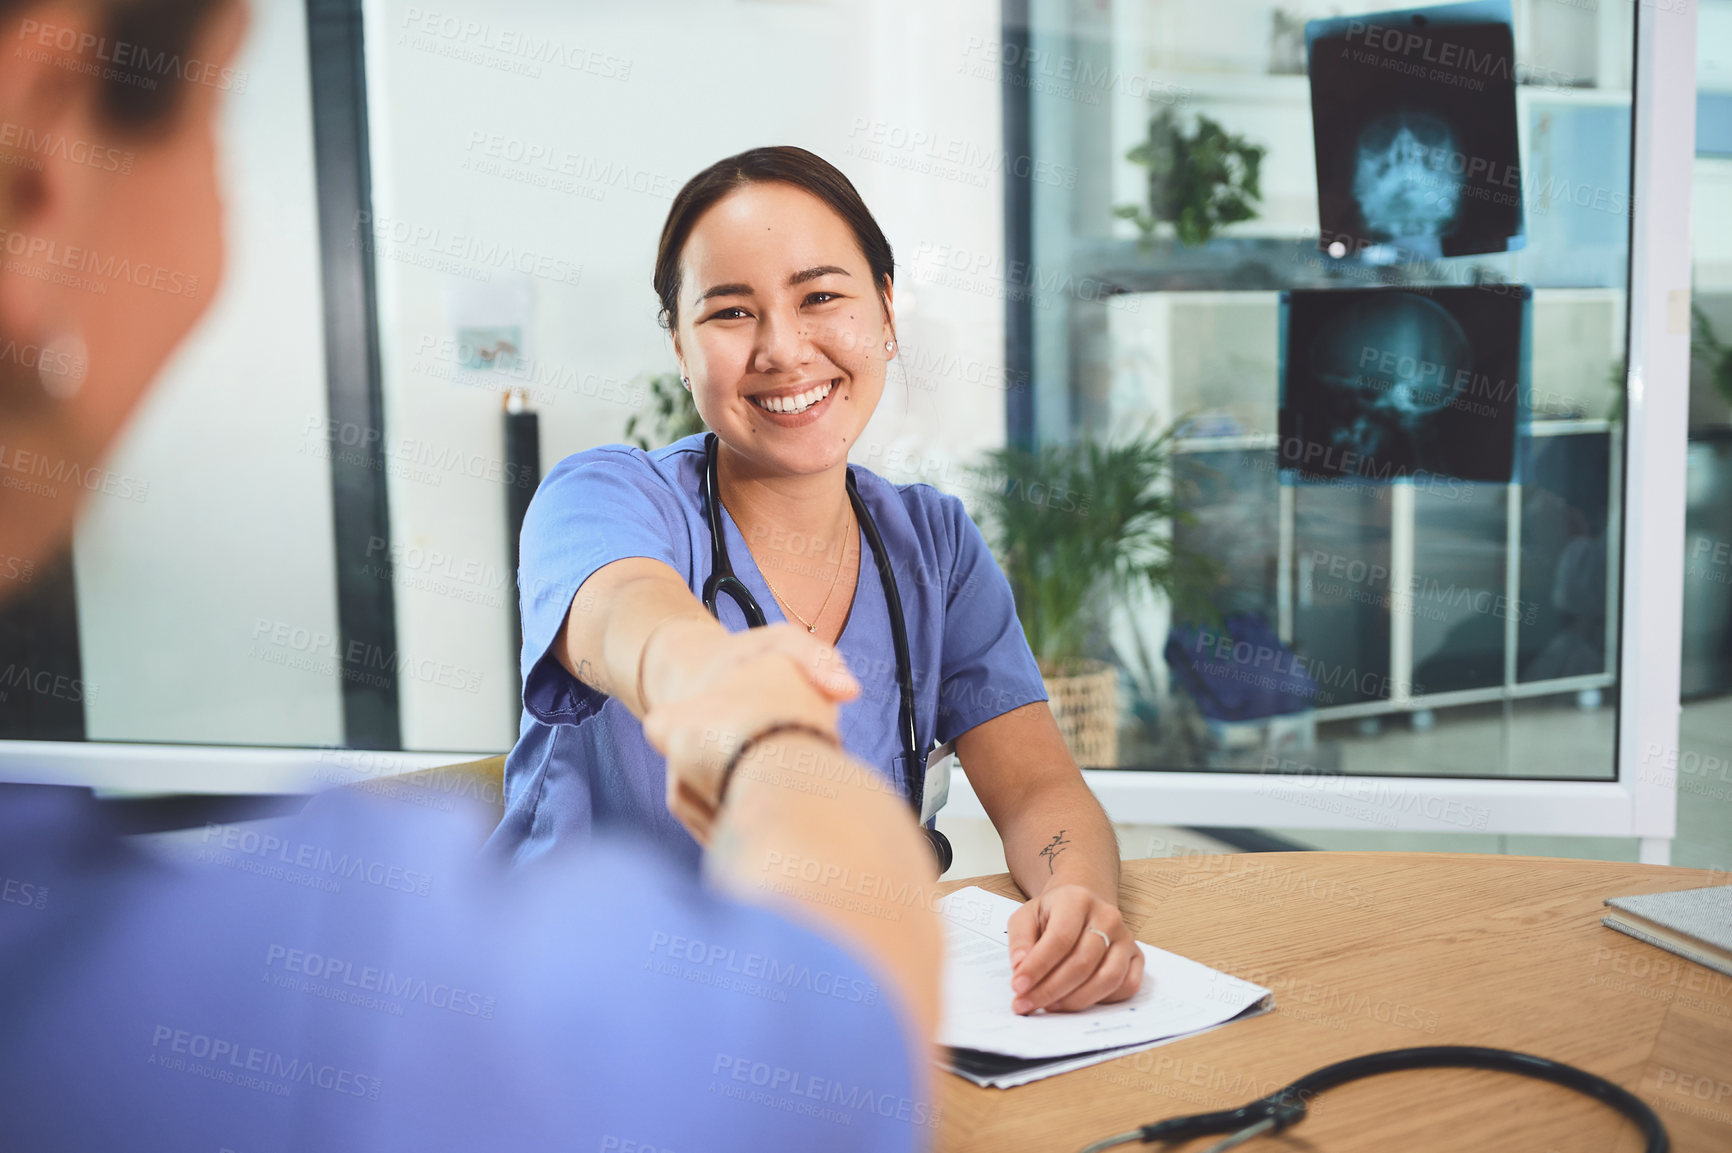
739	753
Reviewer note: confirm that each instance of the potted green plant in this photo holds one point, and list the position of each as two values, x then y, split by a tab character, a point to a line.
1708	353
1198	181
672	413
1077	526
1714	356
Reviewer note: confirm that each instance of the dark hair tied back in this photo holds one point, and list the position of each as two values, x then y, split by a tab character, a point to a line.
784	164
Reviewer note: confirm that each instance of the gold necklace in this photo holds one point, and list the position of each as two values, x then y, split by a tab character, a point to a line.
812	625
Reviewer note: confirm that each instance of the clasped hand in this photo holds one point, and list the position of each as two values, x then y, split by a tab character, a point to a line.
725	688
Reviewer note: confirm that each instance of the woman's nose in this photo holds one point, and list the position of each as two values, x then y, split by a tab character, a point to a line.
783	342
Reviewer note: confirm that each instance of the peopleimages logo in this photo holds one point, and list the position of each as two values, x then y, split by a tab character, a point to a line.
941	154
394	236
16	892
314	859
762	967
126	62
1281	668
434	29
58	145
370	979
1376	800
71	260
45	683
34	473
316	651
777	1079
227	1058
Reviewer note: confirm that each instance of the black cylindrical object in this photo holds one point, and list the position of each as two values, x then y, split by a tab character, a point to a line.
522	474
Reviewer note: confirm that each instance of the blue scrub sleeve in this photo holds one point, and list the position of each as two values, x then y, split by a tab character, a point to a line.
987	668
354	978
596	507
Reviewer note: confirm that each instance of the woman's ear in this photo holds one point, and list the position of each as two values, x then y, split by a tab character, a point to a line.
887	298
46	92
680	359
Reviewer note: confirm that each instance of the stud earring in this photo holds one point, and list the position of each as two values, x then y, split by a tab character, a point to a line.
889	345
61	364
687	381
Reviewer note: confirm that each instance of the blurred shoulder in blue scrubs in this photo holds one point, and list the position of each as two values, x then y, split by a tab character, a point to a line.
348	978
358	977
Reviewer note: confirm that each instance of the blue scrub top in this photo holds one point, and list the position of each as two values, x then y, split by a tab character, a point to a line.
355	978
581	759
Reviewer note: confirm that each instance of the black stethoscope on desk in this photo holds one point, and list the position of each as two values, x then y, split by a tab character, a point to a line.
722	579
1286	1107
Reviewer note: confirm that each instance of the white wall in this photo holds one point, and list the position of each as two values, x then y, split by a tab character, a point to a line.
1714	45
661	90
235	524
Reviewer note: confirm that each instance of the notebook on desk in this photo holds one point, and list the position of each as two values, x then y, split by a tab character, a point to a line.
989	1044
1693	923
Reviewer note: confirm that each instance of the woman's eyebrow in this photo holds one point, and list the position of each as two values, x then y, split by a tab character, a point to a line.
815	273
726	290
797	278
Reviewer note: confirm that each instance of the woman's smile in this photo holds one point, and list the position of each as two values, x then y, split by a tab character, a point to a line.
793	408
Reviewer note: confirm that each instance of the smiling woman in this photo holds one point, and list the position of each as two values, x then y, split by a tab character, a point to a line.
776	289
805	337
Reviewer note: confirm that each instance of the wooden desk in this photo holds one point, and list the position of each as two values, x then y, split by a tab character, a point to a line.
1370	951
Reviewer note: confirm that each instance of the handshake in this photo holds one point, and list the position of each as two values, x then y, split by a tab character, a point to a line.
758	701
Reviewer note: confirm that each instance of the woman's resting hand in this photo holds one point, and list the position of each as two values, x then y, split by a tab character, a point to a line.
1060	963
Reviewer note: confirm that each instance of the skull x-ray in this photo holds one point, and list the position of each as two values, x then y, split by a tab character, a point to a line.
1383	385
1413	115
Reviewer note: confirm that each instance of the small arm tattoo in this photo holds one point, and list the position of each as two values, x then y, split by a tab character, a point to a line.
1053	849
591	675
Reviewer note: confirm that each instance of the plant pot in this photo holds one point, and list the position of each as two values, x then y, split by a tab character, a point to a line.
1084	697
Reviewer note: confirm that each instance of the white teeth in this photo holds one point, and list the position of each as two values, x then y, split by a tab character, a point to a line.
795	404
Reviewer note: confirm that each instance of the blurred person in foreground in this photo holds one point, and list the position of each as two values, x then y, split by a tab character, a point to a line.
357	976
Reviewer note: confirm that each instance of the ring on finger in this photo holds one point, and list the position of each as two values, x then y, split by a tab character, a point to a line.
1105	940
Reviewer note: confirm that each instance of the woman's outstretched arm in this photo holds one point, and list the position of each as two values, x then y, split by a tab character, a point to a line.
635	601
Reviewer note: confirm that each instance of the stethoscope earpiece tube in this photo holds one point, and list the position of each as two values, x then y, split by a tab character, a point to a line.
1287	1106
940	849
722	579
899	640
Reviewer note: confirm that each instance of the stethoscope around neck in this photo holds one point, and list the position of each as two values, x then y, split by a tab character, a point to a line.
723	580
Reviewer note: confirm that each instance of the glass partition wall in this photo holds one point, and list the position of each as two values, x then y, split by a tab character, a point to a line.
1459	626
1414	612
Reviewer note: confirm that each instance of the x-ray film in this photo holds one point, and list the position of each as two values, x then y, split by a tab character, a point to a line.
1414	117
1385	385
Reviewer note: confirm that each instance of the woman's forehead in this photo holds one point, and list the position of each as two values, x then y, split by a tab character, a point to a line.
773	230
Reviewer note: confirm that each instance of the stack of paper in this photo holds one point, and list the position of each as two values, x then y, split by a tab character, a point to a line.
991	1045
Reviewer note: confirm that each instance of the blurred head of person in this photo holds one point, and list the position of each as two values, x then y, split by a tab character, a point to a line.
110	230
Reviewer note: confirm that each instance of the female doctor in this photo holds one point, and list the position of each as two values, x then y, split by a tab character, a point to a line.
775	285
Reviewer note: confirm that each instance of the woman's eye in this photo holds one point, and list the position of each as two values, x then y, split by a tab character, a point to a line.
823	297
733	313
